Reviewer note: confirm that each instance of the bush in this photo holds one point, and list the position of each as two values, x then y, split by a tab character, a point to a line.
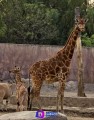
88	41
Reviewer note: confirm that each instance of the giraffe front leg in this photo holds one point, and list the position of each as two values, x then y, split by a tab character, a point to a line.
21	107
58	98
21	101
18	103
25	101
62	94
62	100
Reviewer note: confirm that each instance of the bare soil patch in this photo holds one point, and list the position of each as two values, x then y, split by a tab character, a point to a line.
75	108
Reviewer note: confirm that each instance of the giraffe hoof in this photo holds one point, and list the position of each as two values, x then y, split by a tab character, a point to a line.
6	110
62	111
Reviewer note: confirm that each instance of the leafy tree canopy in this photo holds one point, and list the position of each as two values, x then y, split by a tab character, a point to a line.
42	21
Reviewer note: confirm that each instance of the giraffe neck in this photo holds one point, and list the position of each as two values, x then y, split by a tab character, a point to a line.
72	38
67	52
71	42
69	47
18	77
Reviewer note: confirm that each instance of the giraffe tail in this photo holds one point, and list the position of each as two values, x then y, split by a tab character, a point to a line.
29	89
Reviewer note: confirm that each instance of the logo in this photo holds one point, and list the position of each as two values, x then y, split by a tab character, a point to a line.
52	114
40	114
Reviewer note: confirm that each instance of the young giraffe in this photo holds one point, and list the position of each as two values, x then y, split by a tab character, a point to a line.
56	68
21	90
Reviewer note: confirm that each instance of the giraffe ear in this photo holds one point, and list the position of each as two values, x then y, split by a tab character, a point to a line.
76	20
86	20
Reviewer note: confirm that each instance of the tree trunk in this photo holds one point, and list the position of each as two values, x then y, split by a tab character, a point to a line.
81	92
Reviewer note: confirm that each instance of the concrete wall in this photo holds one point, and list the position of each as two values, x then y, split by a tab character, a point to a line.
26	55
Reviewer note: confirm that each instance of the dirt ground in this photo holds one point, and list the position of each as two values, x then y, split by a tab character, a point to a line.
71	91
89	94
79	118
69	117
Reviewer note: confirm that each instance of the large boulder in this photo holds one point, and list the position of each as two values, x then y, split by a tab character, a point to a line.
31	115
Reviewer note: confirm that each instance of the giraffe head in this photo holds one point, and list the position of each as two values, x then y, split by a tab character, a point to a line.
80	23
15	70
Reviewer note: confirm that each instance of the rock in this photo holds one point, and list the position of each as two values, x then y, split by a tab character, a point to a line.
71	86
31	115
13	100
60	116
26	81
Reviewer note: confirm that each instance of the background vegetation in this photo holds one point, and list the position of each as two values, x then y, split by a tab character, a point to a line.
43	21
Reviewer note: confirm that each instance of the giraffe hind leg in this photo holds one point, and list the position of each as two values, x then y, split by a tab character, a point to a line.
29	96
39	103
35	92
30	103
18	106
37	97
30	99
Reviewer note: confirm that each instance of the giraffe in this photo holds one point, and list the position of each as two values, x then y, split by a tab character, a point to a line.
56	68
21	90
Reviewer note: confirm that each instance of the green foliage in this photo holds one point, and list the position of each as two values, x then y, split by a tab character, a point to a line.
88	41
90	24
92	40
42	21
30	23
2	28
